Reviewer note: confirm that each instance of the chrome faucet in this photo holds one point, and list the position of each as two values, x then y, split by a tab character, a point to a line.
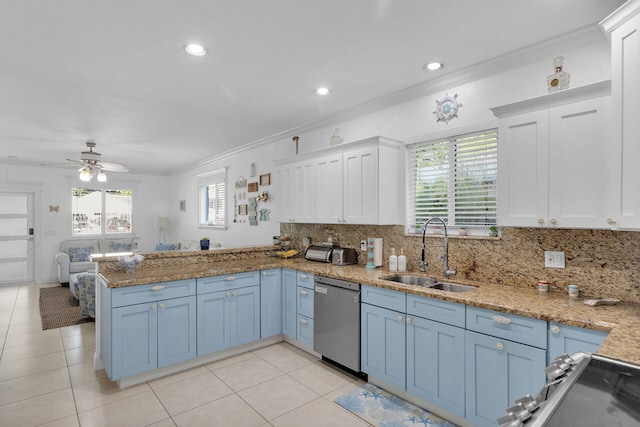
445	257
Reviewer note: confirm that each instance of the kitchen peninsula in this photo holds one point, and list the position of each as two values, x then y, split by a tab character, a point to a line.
622	321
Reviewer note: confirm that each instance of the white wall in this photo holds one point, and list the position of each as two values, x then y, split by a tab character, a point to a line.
52	186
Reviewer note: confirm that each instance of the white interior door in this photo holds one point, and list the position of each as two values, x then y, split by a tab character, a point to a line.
16	238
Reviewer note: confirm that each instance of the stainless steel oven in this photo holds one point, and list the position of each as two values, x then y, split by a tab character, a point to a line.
582	390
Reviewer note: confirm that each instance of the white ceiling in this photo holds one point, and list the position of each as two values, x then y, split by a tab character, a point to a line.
115	70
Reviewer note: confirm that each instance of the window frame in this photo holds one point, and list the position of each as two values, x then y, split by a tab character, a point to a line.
103	189
206	180
450	139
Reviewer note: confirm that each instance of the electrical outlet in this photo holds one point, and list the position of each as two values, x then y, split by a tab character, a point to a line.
363	245
553	259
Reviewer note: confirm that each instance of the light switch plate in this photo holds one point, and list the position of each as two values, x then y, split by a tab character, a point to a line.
553	259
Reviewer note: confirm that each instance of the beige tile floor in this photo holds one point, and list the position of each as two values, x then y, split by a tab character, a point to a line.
47	379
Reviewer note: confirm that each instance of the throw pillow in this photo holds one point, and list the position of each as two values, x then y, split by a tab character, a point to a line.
120	247
80	254
164	247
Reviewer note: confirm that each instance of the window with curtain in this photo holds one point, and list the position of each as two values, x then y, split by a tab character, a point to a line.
212	204
453	178
101	212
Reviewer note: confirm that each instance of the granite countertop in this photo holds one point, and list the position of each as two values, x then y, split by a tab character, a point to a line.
622	321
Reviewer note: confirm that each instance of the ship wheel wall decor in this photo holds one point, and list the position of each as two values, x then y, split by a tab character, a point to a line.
447	108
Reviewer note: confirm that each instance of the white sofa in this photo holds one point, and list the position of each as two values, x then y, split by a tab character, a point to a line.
75	255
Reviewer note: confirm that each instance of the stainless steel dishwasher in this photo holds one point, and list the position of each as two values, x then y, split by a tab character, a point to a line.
336	321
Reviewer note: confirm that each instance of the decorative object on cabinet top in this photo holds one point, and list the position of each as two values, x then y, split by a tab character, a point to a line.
559	80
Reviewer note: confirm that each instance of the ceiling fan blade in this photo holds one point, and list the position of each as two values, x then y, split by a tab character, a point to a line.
76	162
112	167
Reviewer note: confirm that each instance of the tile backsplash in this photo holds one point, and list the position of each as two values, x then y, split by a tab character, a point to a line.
603	263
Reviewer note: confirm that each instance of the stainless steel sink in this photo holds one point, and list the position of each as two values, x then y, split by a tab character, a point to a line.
452	287
412	280
428	282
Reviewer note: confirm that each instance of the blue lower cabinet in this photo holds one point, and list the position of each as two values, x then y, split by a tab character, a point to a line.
383	344
435	363
152	335
270	302
228	318
304	333
497	372
289	303
570	339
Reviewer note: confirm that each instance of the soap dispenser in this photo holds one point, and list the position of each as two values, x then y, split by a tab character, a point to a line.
402	261
393	260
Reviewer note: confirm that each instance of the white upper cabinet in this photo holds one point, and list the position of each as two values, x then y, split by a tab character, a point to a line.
624	27
348	182
293	200
554	160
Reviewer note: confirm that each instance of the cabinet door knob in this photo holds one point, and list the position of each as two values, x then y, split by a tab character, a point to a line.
162	305
555	329
540	221
408	320
157	288
399	318
234	293
264	273
153	307
228	293
499	346
303	276
611	221
553	222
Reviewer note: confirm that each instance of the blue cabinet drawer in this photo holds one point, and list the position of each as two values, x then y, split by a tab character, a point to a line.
305	279
386	298
508	326
152	292
441	311
226	282
304	332
304	302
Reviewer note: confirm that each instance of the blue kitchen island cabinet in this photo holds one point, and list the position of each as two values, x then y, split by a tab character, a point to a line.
228	311
148	327
570	339
289	303
270	302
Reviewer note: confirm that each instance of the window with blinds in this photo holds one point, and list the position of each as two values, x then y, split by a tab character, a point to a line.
455	179
212	199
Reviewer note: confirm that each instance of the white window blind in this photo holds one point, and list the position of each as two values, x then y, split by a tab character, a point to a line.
212	199
454	178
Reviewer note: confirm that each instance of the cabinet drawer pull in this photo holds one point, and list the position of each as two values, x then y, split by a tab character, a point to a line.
230	278
153	306
303	292
499	346
304	321
157	288
162	305
501	319
555	329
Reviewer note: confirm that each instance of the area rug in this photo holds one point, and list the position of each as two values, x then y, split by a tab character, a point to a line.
383	409
59	308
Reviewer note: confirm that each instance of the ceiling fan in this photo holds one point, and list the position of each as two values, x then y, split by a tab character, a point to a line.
90	163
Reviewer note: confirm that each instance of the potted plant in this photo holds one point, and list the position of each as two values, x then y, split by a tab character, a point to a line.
204	244
493	231
462	231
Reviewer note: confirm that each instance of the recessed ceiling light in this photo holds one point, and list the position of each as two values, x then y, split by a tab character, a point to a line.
322	91
195	49
433	66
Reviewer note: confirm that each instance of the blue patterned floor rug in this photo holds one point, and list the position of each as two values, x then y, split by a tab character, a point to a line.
383	409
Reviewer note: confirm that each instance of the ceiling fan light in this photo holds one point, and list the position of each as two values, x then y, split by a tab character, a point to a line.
85	175
195	49
102	177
